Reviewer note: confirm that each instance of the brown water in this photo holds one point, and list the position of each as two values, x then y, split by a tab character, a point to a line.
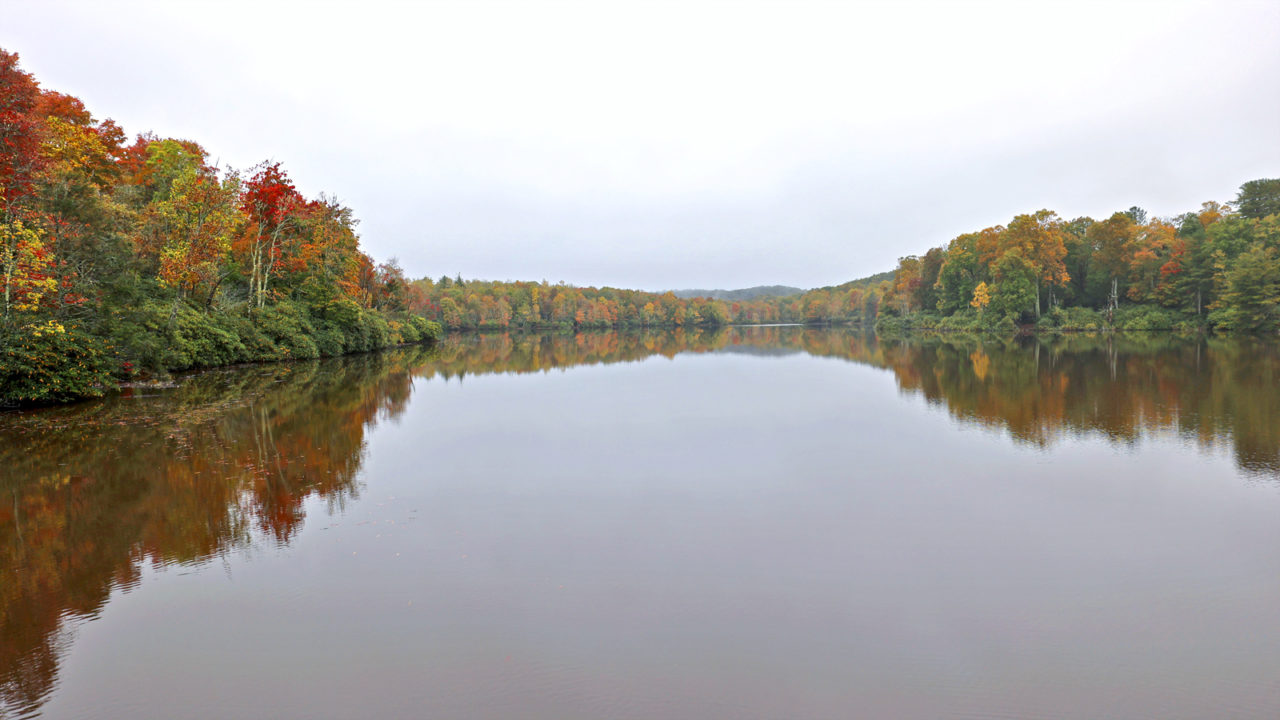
752	523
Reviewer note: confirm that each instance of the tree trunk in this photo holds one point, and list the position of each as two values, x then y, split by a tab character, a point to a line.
173	311
208	303
255	263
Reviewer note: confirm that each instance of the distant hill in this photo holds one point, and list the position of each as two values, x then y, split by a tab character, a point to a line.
750	293
867	282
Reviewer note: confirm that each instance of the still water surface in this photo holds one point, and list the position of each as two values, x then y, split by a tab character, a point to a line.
749	523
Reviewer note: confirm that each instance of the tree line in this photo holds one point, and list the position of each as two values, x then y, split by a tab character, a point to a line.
124	257
460	304
1217	268
477	304
121	258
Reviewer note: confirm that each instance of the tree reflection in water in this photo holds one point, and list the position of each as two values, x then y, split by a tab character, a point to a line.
1214	391
93	493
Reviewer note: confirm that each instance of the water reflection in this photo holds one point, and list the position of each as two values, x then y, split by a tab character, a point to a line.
1211	391
93	494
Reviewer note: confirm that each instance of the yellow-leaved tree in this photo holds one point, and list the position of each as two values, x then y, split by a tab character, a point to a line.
24	268
981	297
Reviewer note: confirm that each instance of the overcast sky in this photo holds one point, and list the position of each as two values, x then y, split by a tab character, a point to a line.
688	144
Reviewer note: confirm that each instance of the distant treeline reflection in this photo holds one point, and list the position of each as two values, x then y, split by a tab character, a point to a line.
91	493
1210	390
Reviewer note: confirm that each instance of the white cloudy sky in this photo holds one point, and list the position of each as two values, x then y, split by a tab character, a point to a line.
688	144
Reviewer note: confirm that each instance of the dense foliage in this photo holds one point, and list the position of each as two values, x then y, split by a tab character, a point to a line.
1217	267
475	304
121	258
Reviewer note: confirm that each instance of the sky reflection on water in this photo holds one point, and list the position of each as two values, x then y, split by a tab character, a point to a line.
739	523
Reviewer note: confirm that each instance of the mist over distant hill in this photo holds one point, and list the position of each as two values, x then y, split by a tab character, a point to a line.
750	293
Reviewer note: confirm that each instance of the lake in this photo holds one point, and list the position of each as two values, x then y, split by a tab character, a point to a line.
769	522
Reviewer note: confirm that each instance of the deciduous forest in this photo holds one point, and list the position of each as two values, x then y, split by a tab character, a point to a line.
1217	267
123	259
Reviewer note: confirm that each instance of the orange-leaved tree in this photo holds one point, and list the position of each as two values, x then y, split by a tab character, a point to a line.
271	203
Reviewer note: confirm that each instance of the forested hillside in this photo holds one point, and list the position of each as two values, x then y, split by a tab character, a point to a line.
1215	267
122	257
751	293
478	304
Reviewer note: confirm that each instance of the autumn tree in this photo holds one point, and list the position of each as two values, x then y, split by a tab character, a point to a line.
20	137
190	231
906	280
960	274
26	262
25	269
392	287
1152	247
270	202
75	198
1040	241
981	297
1112	241
150	166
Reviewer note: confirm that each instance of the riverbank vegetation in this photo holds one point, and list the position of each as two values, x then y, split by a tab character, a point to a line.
124	258
459	304
1217	268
